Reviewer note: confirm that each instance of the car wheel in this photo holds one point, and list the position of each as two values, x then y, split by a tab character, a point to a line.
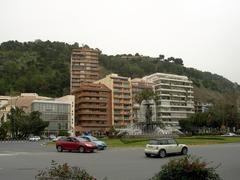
162	153
148	155
81	149
59	148
184	151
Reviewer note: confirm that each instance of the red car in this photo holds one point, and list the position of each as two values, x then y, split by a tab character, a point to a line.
75	143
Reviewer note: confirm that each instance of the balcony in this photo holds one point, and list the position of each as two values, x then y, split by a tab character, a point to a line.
85	60
92	107
118	107
95	125
117	85
92	94
184	86
91	112
118	119
91	100
86	118
172	111
172	90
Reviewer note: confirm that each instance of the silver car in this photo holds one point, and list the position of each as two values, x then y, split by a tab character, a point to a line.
163	146
35	138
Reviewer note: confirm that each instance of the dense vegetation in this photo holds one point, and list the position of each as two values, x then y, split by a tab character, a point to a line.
218	119
43	67
20	124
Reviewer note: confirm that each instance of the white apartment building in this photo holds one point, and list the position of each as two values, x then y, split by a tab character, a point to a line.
175	97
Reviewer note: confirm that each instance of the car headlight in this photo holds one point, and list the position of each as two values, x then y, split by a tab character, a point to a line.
89	145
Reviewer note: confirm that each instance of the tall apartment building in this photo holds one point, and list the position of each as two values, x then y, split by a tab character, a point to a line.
175	97
121	98
93	107
84	67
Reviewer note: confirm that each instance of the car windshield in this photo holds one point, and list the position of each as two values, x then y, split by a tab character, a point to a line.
153	142
92	138
81	139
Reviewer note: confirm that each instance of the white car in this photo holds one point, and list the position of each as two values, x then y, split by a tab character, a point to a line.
57	138
229	134
34	138
163	146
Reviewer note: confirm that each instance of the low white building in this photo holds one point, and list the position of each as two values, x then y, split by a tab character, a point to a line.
59	112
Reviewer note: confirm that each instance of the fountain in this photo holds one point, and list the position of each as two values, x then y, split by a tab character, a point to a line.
147	123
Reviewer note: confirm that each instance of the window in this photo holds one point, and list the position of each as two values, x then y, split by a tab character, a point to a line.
153	142
69	139
171	141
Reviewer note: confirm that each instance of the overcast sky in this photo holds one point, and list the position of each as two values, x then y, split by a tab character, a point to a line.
204	33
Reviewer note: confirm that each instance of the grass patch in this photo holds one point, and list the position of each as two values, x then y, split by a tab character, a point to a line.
194	140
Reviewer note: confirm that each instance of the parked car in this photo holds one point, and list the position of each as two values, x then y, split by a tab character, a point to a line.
51	137
75	143
164	146
34	138
57	138
229	134
100	144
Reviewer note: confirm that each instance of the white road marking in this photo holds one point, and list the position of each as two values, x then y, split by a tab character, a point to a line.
9	153
6	154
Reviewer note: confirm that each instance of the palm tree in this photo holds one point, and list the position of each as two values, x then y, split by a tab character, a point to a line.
147	96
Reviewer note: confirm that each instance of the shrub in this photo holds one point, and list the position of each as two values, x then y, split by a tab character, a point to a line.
63	133
63	172
187	168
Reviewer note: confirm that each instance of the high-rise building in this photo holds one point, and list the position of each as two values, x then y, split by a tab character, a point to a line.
175	97
84	67
121	98
93	107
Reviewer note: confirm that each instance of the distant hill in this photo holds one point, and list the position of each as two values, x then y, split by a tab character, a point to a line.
43	67
208	87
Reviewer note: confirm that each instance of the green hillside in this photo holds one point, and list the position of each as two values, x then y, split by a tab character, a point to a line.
43	67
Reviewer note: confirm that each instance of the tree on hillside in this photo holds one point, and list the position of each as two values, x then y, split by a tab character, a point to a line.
161	57
170	59
178	61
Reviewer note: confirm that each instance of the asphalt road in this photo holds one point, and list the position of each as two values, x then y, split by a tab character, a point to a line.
23	160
